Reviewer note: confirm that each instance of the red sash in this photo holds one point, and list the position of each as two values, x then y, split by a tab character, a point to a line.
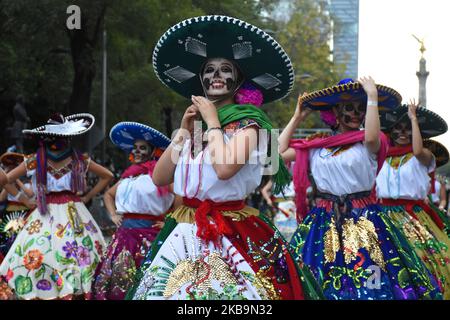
206	230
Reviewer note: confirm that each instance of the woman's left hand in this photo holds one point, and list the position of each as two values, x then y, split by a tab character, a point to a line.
207	110
412	109
368	85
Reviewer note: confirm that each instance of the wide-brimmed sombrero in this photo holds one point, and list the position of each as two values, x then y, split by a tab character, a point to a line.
348	90
184	48
11	159
430	123
60	126
439	150
124	134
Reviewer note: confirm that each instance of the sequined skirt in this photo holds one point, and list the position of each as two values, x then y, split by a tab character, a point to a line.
360	254
253	263
117	269
431	244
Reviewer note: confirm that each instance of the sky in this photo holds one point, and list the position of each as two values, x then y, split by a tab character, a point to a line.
389	53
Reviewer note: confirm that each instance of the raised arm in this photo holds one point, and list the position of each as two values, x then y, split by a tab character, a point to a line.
266	192
372	122
422	154
288	154
165	167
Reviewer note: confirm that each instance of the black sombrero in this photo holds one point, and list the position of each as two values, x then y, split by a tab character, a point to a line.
184	48
430	123
59	126
439	150
124	134
347	90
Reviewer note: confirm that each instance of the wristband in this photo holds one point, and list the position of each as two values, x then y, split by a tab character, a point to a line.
211	129
372	103
176	146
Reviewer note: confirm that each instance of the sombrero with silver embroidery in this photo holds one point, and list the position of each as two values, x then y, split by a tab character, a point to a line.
348	90
184	48
430	123
60	126
124	134
439	150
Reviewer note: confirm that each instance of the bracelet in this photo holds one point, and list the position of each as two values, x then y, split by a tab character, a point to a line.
372	103
176	146
211	129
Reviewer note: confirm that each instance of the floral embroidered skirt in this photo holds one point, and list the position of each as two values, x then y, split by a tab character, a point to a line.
55	255
431	243
115	273
252	262
360	254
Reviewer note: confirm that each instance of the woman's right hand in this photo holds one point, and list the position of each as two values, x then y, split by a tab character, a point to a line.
299	112
187	122
117	219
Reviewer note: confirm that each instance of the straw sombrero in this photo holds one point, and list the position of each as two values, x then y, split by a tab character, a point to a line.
124	134
183	49
11	159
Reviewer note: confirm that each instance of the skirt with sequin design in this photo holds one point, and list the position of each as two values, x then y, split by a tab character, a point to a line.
431	243
116	271
250	264
359	254
55	255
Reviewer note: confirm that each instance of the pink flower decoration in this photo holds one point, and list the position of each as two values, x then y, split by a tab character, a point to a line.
328	117
248	94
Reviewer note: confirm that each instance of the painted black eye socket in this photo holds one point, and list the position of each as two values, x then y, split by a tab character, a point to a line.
402	127
226	69
209	70
350	108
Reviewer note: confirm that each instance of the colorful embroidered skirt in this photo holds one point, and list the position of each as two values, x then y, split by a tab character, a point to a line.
55	255
115	273
431	244
360	254
252	262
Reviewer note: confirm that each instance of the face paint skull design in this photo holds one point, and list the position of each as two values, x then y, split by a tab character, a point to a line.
351	114
141	151
401	133
219	77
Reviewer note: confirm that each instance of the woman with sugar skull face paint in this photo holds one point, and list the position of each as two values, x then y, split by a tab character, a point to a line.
406	178
58	249
214	246
137	207
347	241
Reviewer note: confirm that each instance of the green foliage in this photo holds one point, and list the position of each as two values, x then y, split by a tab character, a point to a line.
38	55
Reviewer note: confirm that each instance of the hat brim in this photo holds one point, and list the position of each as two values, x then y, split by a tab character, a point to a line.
11	158
184	48
67	129
327	98
430	123
124	134
439	150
